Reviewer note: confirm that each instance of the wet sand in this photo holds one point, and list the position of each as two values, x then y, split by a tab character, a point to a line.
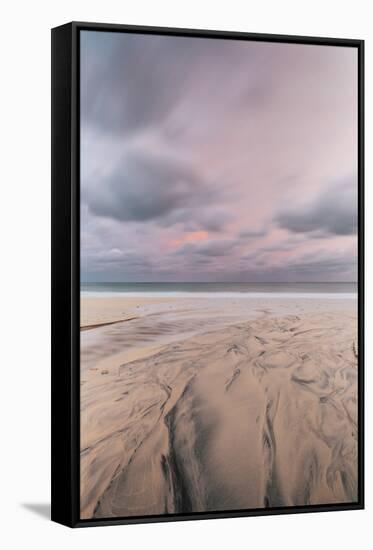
219	404
97	312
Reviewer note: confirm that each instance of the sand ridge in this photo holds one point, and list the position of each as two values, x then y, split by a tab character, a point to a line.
260	413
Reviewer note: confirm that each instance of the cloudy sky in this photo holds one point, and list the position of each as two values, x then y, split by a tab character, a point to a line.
217	160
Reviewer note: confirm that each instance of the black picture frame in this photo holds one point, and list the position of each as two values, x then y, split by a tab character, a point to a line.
66	266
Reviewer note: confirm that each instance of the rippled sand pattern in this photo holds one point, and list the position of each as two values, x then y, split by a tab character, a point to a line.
259	413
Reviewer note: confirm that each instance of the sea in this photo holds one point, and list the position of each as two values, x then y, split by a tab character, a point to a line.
249	290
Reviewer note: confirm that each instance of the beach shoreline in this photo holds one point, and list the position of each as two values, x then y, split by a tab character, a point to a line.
264	385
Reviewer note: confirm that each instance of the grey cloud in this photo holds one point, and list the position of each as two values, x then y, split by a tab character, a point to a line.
215	220
321	265
125	259
315	267
326	270
285	246
212	219
214	248
108	266
138	92
197	217
334	212
252	233
145	188
130	82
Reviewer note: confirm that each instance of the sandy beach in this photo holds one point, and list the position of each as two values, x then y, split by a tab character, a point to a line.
207	404
96	312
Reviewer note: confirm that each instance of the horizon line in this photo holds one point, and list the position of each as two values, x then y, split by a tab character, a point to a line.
216	282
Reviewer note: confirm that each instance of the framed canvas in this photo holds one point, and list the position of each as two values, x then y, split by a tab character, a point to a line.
207	274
